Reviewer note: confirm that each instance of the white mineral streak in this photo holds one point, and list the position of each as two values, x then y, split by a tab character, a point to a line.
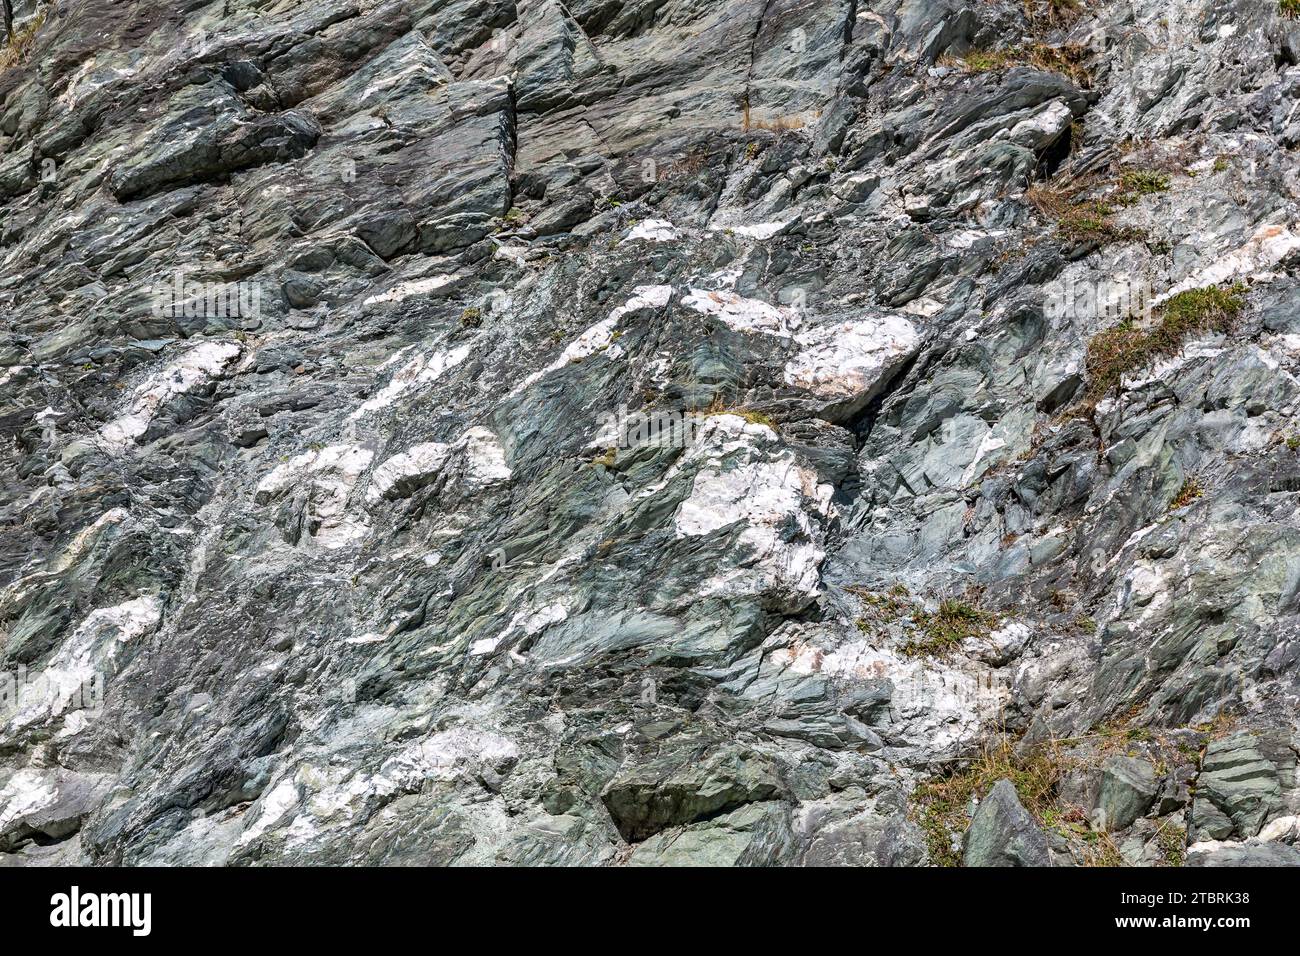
526	623
776	503
759	230
83	662
329	476
484	457
1266	248
404	290
744	315
408	470
318	799
476	460
196	367
653	230
846	360
600	336
416	373
27	791
943	707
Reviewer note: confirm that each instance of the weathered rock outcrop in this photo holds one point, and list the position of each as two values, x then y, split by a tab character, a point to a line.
649	432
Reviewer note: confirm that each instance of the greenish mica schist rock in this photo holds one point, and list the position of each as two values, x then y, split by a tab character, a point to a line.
317	323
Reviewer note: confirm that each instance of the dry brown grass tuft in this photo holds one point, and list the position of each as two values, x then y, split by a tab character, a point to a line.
1086	220
940	806
1068	60
1188	492
1054	13
20	45
1115	352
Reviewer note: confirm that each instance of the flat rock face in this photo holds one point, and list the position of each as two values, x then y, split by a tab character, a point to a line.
849	361
525	432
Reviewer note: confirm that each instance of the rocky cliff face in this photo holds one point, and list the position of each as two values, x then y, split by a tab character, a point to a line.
650	432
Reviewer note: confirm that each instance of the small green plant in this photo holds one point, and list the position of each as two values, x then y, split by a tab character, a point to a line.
879	609
934	633
471	318
1293	442
1115	352
606	459
1136	183
1091	221
1099	848
720	407
1289	9
1211	306
981	61
1221	163
756	418
1081	220
938	633
1188	492
1172	839
1221	726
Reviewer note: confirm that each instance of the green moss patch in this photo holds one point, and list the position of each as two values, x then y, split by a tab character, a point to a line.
1116	352
940	632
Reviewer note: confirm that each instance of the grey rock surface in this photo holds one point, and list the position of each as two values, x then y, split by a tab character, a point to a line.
522	432
1238	790
1003	833
1128	788
1262	854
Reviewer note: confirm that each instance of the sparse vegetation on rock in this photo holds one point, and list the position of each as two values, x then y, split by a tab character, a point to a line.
1128	347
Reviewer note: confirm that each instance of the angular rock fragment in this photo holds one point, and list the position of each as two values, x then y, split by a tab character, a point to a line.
1003	833
682	786
1128	788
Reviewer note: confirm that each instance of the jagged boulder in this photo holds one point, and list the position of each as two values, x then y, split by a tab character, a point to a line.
683	785
1003	833
1128	788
